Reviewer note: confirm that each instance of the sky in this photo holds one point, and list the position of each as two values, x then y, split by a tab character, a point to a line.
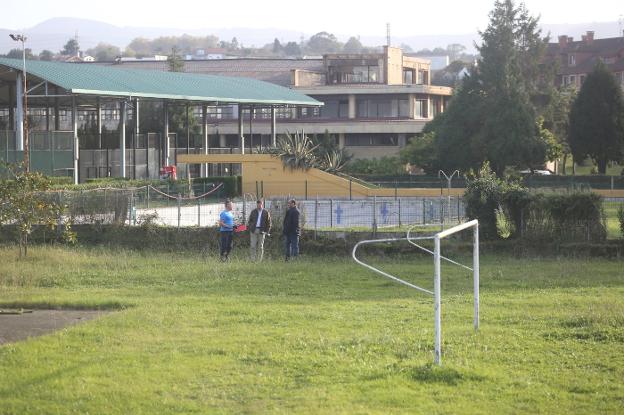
362	17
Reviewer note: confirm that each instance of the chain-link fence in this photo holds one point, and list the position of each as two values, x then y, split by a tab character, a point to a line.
202	204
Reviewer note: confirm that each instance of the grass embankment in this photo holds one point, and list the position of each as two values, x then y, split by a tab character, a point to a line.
192	335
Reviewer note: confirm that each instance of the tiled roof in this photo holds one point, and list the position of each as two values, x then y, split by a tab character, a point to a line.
276	71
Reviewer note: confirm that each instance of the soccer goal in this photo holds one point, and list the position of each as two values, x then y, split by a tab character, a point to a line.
437	258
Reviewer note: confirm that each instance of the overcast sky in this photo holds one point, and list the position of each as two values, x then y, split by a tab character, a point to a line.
334	16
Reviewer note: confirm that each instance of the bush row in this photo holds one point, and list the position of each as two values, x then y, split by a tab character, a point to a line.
507	209
335	244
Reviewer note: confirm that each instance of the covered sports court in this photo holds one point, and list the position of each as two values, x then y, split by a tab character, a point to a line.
80	116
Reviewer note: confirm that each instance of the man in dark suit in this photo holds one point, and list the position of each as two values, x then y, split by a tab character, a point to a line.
292	230
259	225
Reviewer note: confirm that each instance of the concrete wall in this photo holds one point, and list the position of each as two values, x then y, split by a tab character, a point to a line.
267	173
394	65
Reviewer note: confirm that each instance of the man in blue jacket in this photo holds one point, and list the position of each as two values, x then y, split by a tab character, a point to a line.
226	223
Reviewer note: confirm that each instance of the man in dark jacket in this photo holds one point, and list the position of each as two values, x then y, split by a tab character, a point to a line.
259	224
291	230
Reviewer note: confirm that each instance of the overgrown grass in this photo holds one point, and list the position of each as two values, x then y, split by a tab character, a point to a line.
193	335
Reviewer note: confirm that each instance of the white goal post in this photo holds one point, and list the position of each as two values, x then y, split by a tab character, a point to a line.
437	257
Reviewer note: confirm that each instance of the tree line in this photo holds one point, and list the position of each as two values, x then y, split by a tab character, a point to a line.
318	44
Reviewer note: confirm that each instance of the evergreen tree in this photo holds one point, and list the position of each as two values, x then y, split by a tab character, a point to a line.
597	119
175	62
292	49
493	114
46	55
353	45
277	47
71	48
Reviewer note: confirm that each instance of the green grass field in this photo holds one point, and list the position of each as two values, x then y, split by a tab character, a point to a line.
192	335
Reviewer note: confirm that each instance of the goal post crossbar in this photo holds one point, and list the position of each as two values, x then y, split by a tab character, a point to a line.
437	257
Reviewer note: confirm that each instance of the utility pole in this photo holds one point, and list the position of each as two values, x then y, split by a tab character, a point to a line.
22	38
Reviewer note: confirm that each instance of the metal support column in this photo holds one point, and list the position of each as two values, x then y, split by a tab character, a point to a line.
240	129
273	129
19	114
204	173
135	139
99	122
75	136
122	137
166	133
251	115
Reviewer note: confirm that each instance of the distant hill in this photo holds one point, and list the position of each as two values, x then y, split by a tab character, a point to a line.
53	33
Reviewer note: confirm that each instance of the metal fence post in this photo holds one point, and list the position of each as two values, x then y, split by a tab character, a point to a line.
316	204
399	212
375	215
331	213
441	206
147	197
306	190
179	200
423	211
350	189
198	212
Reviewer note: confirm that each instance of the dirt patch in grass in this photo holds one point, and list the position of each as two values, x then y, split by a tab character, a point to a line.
16	325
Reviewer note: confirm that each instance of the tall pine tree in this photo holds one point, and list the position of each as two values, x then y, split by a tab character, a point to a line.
493	114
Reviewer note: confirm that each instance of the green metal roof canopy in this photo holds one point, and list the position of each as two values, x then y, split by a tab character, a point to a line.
92	79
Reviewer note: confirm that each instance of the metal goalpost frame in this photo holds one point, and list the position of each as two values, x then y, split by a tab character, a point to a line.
437	257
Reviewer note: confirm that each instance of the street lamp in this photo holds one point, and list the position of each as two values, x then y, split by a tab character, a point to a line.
22	38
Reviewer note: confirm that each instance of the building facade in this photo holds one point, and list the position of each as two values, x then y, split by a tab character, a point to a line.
373	103
576	59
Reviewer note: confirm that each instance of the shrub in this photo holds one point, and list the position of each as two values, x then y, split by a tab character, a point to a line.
504	208
484	194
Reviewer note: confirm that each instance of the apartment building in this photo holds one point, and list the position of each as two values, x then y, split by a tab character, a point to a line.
576	59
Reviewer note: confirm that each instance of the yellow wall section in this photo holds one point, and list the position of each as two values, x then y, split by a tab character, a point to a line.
272	179
268	173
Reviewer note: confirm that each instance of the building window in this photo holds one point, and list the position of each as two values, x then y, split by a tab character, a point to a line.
572	80
582	78
382	108
571	60
420	108
408	76
359	140
353	74
335	109
423	77
309	112
220	112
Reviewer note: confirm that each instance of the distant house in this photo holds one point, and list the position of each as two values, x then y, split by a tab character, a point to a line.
576	59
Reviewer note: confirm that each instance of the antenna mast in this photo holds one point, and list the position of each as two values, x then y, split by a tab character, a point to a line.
388	34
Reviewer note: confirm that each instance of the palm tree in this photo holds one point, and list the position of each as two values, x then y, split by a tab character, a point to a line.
335	160
296	151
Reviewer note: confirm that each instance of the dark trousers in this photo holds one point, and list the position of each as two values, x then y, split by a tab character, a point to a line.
291	245
226	243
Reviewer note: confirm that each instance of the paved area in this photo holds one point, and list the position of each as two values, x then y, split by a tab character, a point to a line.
16	327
